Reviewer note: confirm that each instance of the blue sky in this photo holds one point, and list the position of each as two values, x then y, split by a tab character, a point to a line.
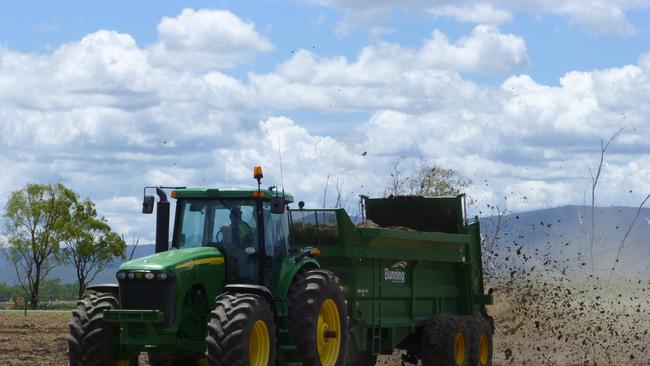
555	45
107	97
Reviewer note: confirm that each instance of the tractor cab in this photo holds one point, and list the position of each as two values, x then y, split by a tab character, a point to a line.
249	227
242	224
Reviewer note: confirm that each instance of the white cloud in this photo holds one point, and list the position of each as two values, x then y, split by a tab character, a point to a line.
474	13
207	39
484	50
102	116
388	76
594	17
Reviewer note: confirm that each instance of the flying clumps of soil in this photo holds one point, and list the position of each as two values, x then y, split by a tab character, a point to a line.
551	309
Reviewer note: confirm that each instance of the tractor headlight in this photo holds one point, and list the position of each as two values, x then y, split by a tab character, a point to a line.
131	275
162	276
149	276
121	275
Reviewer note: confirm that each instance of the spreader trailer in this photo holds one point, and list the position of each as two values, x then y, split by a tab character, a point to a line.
412	277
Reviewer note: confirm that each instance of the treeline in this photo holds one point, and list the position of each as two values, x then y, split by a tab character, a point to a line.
48	225
51	290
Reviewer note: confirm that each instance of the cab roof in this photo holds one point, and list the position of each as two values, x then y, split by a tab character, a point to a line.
227	193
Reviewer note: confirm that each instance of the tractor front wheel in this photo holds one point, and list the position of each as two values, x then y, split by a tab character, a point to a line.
241	332
318	320
92	341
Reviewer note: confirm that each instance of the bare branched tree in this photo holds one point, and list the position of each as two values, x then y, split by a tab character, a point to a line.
488	243
340	201
327	183
134	244
627	233
594	183
396	185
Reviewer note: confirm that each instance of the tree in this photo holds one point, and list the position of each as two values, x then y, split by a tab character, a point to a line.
90	244
36	219
594	184
429	180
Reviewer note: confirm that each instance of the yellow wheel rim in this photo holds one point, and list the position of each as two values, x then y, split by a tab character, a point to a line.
328	333
460	348
122	363
483	349
259	345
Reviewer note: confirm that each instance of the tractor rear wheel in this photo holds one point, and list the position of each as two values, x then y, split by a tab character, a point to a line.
91	341
445	341
241	332
318	320
480	346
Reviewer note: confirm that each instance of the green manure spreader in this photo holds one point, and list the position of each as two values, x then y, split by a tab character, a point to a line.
248	281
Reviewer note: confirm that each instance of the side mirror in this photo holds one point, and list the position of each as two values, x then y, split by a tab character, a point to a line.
277	205
147	204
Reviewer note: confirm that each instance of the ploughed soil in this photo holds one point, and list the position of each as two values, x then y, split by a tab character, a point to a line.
35	339
39	339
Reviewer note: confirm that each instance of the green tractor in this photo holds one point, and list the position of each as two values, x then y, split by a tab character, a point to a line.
229	291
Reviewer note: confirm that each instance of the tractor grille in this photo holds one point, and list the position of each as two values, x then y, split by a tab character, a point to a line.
149	295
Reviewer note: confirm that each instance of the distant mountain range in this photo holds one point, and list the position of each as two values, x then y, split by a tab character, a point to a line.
67	273
562	235
556	237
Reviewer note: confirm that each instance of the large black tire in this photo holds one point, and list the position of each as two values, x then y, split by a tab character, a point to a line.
233	326
91	341
445	341
480	338
312	294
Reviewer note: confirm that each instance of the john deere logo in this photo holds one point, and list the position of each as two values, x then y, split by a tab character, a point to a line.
395	273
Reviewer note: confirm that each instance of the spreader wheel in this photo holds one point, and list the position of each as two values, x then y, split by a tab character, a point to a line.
480	347
445	341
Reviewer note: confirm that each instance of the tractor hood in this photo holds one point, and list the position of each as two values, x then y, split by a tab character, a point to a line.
175	259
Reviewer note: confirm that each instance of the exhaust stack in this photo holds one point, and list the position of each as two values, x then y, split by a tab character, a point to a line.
162	221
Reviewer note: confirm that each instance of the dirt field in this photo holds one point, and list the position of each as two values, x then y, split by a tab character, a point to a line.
39	339
35	339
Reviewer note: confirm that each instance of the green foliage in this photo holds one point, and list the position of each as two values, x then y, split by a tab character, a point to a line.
36	219
428	180
90	243
47	224
8	293
54	290
52	295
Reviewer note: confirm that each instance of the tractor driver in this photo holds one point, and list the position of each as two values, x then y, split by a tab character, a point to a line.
236	238
238	234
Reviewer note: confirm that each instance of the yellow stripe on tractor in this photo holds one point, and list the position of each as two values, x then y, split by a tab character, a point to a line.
212	261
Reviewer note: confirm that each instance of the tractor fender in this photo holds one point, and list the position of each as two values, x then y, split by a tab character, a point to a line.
289	270
252	289
112	288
